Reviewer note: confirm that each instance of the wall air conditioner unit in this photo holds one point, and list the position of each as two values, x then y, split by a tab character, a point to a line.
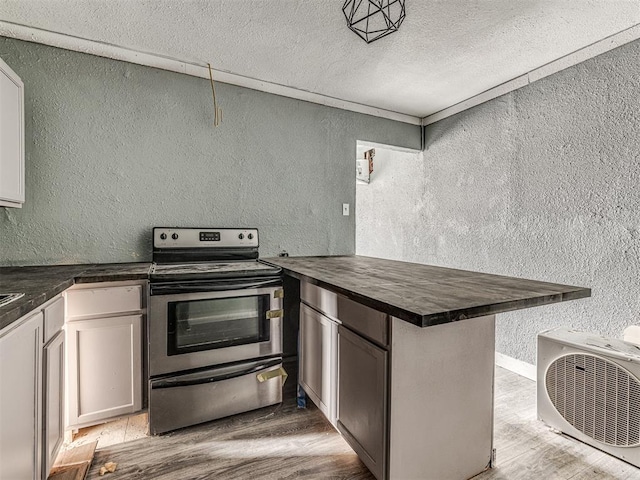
589	388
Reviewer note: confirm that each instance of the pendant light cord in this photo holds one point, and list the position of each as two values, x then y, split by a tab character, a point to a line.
217	116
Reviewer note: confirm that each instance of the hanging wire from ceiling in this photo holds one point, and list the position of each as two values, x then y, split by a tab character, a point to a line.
217	116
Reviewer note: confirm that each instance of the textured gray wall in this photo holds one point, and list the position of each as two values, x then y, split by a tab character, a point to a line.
113	149
541	183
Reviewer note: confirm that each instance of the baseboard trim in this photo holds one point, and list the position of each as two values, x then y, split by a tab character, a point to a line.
516	366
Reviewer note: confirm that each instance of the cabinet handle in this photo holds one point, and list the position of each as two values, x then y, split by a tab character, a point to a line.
169	288
210	377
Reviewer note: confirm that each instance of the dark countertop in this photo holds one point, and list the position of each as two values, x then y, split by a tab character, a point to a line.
41	283
424	295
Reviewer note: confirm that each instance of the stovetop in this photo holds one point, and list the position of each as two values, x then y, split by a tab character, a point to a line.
211	270
209	267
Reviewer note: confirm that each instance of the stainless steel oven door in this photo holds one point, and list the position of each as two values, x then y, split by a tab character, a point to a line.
199	329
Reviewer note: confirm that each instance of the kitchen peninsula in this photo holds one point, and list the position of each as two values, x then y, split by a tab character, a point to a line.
400	357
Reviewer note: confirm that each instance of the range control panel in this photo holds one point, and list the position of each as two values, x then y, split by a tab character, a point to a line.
166	237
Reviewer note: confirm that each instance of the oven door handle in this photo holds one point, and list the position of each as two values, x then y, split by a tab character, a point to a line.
160	289
208	377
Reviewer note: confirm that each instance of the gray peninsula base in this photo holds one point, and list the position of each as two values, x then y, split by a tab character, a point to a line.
441	399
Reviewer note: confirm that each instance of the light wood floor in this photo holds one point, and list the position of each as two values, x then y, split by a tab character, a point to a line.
283	442
527	449
115	432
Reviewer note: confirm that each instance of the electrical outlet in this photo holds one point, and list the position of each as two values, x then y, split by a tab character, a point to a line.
345	209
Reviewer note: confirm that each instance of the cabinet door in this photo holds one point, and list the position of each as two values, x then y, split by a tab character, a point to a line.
20	380
104	368
318	363
362	399
11	138
53	419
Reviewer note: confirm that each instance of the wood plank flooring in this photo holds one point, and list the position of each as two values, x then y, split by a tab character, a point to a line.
278	442
527	449
284	442
73	463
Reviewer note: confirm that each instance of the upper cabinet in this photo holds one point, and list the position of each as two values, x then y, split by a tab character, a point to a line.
11	138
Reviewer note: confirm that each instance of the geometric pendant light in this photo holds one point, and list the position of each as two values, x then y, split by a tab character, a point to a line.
374	19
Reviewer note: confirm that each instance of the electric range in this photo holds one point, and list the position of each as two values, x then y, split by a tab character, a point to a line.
215	327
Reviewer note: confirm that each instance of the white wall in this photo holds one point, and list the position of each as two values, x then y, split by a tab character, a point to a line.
388	208
541	183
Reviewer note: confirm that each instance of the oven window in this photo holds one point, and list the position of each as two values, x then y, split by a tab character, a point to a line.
198	325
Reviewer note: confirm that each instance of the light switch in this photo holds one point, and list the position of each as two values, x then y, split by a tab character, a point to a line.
345	209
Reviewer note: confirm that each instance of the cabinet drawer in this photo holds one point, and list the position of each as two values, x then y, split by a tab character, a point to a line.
53	318
104	301
371	323
319	298
360	318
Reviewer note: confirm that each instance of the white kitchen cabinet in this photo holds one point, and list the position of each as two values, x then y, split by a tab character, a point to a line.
318	359
105	368
11	138
20	398
104	352
53	386
53	404
31	395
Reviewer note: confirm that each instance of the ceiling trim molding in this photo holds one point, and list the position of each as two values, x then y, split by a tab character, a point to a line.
189	67
597	48
365	144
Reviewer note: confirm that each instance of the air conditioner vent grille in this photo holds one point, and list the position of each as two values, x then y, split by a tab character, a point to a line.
597	397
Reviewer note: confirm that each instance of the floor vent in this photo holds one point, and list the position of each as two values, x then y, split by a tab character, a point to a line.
589	388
